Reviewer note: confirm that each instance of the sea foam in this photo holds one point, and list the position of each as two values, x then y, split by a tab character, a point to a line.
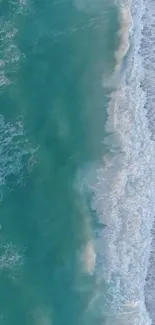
16	155
148	54
125	187
10	257
10	54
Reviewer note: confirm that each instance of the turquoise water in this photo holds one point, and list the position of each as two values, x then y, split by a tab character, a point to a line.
54	56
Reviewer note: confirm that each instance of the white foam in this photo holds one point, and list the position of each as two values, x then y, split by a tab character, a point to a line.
150	281
16	154
9	51
124	192
147	51
10	257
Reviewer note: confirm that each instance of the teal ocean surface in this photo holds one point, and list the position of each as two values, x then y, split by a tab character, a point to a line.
53	57
77	165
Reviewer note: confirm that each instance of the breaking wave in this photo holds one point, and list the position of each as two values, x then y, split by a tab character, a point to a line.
124	191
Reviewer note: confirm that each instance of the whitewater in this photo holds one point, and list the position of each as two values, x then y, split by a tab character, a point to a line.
125	188
123	255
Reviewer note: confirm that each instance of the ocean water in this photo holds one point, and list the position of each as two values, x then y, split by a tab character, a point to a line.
53	55
77	164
